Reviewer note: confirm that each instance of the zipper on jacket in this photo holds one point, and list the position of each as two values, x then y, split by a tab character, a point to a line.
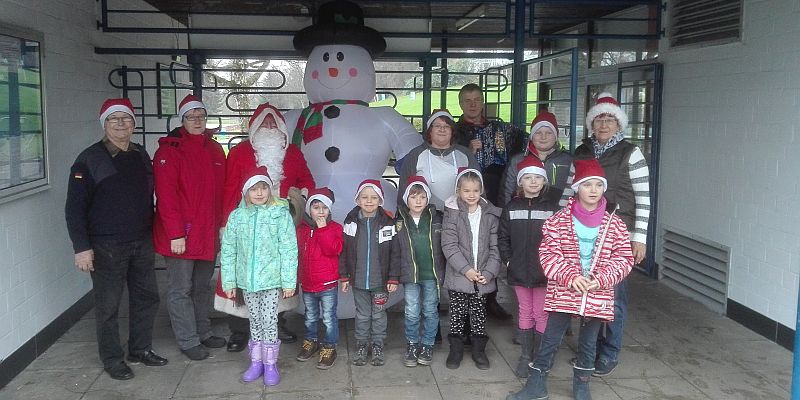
369	249
253	249
411	245
433	257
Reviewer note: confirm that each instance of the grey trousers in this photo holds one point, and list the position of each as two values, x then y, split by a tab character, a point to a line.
189	296
370	317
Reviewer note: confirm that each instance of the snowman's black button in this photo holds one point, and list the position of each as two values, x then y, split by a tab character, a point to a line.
332	112
332	154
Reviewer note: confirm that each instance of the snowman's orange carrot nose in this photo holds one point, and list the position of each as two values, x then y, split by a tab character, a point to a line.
333	72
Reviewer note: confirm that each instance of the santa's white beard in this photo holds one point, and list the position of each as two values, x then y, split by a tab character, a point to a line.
269	148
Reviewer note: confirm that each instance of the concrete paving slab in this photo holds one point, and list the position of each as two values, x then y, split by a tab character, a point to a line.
77	355
655	388
479	390
47	385
323	394
718	384
761	355
204	378
296	375
430	392
393	373
640	362
161	384
468	373
562	390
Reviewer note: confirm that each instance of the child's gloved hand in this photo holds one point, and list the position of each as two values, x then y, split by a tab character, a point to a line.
288	293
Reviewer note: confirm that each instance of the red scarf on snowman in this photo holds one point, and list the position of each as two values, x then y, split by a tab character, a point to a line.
309	124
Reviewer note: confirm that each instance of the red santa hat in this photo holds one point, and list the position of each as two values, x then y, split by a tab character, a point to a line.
607	104
586	169
257	175
111	106
416	180
442	112
463	171
531	164
261	113
372	183
544	119
190	102
323	195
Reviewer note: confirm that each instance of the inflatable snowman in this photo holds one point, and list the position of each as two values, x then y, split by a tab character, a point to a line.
343	140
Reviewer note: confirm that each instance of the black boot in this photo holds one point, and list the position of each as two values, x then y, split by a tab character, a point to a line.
237	341
467	333
438	338
580	383
456	351
535	387
494	309
479	351
526	339
284	334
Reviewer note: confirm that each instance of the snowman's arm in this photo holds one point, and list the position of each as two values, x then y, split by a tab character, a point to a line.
402	136
291	118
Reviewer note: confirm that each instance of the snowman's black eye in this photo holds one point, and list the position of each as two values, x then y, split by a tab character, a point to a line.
339	56
326	57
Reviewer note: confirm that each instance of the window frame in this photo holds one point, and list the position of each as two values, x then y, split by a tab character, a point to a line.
11	193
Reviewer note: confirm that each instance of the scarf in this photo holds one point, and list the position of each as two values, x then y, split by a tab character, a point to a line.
309	124
589	218
600	149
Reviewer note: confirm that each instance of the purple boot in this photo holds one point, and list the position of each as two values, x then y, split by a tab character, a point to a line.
271	375
256	367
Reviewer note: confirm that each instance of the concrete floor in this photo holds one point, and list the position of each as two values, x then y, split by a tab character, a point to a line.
674	349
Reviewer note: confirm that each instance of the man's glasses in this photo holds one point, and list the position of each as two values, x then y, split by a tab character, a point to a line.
200	118
119	120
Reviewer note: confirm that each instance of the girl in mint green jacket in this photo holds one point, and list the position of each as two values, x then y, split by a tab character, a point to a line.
259	256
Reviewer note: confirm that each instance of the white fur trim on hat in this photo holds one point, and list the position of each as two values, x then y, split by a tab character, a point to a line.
542	124
190	105
437	114
113	109
322	198
250	182
407	192
460	174
374	187
531	170
606	108
576	184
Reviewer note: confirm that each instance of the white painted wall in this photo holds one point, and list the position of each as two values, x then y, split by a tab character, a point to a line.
730	154
38	280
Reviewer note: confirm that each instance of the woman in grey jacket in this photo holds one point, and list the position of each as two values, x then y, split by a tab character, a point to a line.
469	242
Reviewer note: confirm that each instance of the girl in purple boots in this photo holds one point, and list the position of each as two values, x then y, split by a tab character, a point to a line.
259	256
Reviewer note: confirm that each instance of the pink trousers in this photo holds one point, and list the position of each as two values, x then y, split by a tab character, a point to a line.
531	308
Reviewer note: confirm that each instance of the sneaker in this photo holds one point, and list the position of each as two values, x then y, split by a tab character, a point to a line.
327	356
214	342
425	355
362	351
603	368
310	347
377	355
196	353
412	350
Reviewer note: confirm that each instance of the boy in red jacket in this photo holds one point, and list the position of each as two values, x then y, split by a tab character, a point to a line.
320	241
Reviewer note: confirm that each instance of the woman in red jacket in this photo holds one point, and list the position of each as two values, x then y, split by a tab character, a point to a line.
189	170
320	241
585	251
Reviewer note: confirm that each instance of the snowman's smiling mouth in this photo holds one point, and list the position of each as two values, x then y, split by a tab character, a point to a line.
342	82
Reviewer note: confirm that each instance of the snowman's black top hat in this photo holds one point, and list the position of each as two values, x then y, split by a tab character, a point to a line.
339	22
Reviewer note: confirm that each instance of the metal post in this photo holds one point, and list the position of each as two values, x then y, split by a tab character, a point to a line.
519	77
197	61
444	77
796	359
123	73
426	88
573	102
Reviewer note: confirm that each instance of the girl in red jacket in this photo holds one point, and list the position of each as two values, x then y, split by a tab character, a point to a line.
585	251
320	241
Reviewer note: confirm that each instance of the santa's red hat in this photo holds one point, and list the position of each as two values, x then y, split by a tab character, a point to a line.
372	183
261	113
531	164
442	112
323	195
111	106
463	171
416	180
257	175
586	169
607	104
190	102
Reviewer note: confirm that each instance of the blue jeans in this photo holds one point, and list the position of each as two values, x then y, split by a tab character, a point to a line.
557	324
324	303
608	347
425	296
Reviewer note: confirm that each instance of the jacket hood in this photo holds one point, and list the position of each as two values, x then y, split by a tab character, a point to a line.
454	203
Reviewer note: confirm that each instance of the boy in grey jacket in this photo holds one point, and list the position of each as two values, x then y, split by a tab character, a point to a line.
469	242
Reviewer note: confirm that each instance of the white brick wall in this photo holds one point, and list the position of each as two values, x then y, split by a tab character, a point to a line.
730	154
37	278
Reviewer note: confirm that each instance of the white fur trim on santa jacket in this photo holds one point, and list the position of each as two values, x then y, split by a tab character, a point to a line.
560	258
